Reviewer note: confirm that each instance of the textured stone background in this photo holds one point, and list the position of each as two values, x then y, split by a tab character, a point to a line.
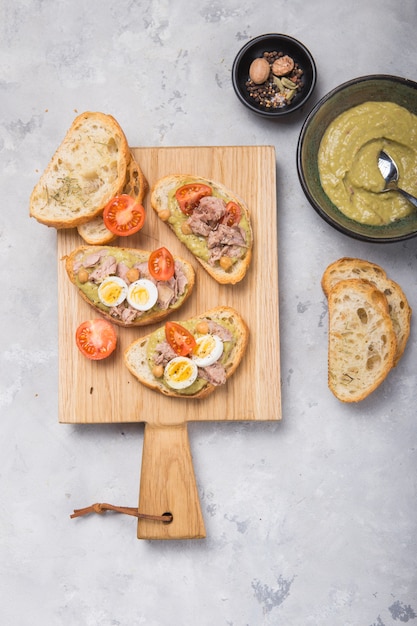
311	521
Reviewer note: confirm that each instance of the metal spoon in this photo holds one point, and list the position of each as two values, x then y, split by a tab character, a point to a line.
389	171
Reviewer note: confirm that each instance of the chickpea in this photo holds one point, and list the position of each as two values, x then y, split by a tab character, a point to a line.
82	276
132	274
225	263
164	215
158	371
185	228
202	327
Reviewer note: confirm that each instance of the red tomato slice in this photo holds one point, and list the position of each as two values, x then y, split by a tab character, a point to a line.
179	338
161	264
124	216
188	196
233	214
96	339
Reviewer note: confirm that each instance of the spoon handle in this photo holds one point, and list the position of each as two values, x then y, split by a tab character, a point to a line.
409	197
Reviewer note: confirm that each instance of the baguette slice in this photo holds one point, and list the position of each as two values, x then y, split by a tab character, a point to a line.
86	259
399	309
167	208
95	232
362	341
139	355
87	170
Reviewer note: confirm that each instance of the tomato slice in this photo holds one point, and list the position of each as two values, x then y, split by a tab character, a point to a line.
123	216
96	339
233	214
188	196
179	338
161	264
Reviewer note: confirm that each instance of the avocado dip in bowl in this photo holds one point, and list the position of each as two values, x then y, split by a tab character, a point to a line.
337	157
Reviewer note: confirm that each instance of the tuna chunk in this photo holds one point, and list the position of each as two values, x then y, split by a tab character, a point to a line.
206	215
214	374
106	268
163	353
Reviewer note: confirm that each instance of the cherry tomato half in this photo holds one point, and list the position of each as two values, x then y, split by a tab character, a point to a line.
96	339
179	338
161	264
124	216
188	196
233	214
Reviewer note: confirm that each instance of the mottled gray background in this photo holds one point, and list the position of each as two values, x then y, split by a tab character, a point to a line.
311	521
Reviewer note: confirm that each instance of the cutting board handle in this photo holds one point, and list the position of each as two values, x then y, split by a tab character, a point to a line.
167	485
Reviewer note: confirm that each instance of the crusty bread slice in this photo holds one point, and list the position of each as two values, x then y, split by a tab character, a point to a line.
362	341
135	185
95	232
399	308
167	208
138	357
76	262
86	171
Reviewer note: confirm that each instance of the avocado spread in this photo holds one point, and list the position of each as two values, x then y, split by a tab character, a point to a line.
348	161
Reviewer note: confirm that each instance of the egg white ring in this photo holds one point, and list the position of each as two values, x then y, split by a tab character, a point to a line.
213	356
112	280
175	364
149	287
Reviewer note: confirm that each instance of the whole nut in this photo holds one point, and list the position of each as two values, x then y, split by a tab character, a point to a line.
283	66
259	71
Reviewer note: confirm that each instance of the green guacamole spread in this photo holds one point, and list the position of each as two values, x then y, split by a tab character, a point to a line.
348	161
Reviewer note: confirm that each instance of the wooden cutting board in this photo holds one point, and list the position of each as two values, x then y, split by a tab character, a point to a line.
105	392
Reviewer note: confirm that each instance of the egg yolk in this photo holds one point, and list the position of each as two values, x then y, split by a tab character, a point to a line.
140	295
111	292
180	373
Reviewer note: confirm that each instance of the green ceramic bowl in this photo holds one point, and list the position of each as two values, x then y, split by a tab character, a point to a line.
378	87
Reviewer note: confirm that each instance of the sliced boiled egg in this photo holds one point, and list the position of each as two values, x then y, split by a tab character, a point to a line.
180	372
112	291
142	294
208	350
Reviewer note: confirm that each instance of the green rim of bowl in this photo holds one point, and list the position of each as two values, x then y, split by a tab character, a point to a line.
380	88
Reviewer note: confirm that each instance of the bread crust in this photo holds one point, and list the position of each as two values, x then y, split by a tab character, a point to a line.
149	317
137	363
362	342
86	171
399	308
160	203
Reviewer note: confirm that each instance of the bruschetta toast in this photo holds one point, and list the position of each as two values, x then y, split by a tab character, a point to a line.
130	287
210	220
191	358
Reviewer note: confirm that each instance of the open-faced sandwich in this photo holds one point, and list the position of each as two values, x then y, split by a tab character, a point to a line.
192	358
92	165
210	221
130	287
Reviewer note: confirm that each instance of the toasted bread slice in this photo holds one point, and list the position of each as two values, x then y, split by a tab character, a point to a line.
362	341
86	171
139	356
399	308
230	263
95	232
87	266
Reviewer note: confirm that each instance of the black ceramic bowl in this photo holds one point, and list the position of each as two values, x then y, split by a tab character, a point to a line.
378	87
268	43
